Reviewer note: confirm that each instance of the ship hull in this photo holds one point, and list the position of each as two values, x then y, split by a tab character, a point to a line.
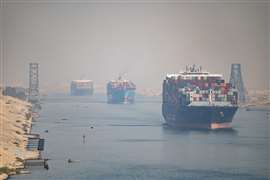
81	92
121	97
198	117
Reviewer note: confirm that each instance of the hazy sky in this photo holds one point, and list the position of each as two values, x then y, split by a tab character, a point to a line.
145	40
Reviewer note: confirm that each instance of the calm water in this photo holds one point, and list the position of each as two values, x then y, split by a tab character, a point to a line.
130	142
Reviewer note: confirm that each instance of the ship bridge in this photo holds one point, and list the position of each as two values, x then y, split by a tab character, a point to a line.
194	73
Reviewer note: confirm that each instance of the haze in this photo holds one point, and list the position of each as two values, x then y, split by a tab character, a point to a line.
144	40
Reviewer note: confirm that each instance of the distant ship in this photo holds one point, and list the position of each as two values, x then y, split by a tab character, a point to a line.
197	99
81	88
121	91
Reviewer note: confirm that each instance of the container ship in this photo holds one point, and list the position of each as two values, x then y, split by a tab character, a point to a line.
120	91
199	100
81	88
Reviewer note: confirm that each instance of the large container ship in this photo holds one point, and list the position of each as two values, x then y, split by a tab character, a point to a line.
81	88
197	99
120	91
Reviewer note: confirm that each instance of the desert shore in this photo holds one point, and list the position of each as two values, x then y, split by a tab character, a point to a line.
15	125
258	98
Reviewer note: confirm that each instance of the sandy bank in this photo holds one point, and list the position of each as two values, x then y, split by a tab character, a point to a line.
258	98
3	176
15	124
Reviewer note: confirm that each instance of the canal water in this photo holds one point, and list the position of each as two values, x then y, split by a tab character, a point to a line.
130	142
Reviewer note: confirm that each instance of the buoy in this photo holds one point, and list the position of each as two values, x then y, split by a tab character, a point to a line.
83	139
72	161
46	166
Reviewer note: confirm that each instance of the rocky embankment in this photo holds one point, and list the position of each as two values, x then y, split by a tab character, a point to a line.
15	124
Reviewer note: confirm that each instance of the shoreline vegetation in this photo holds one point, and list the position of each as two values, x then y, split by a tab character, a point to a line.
15	126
